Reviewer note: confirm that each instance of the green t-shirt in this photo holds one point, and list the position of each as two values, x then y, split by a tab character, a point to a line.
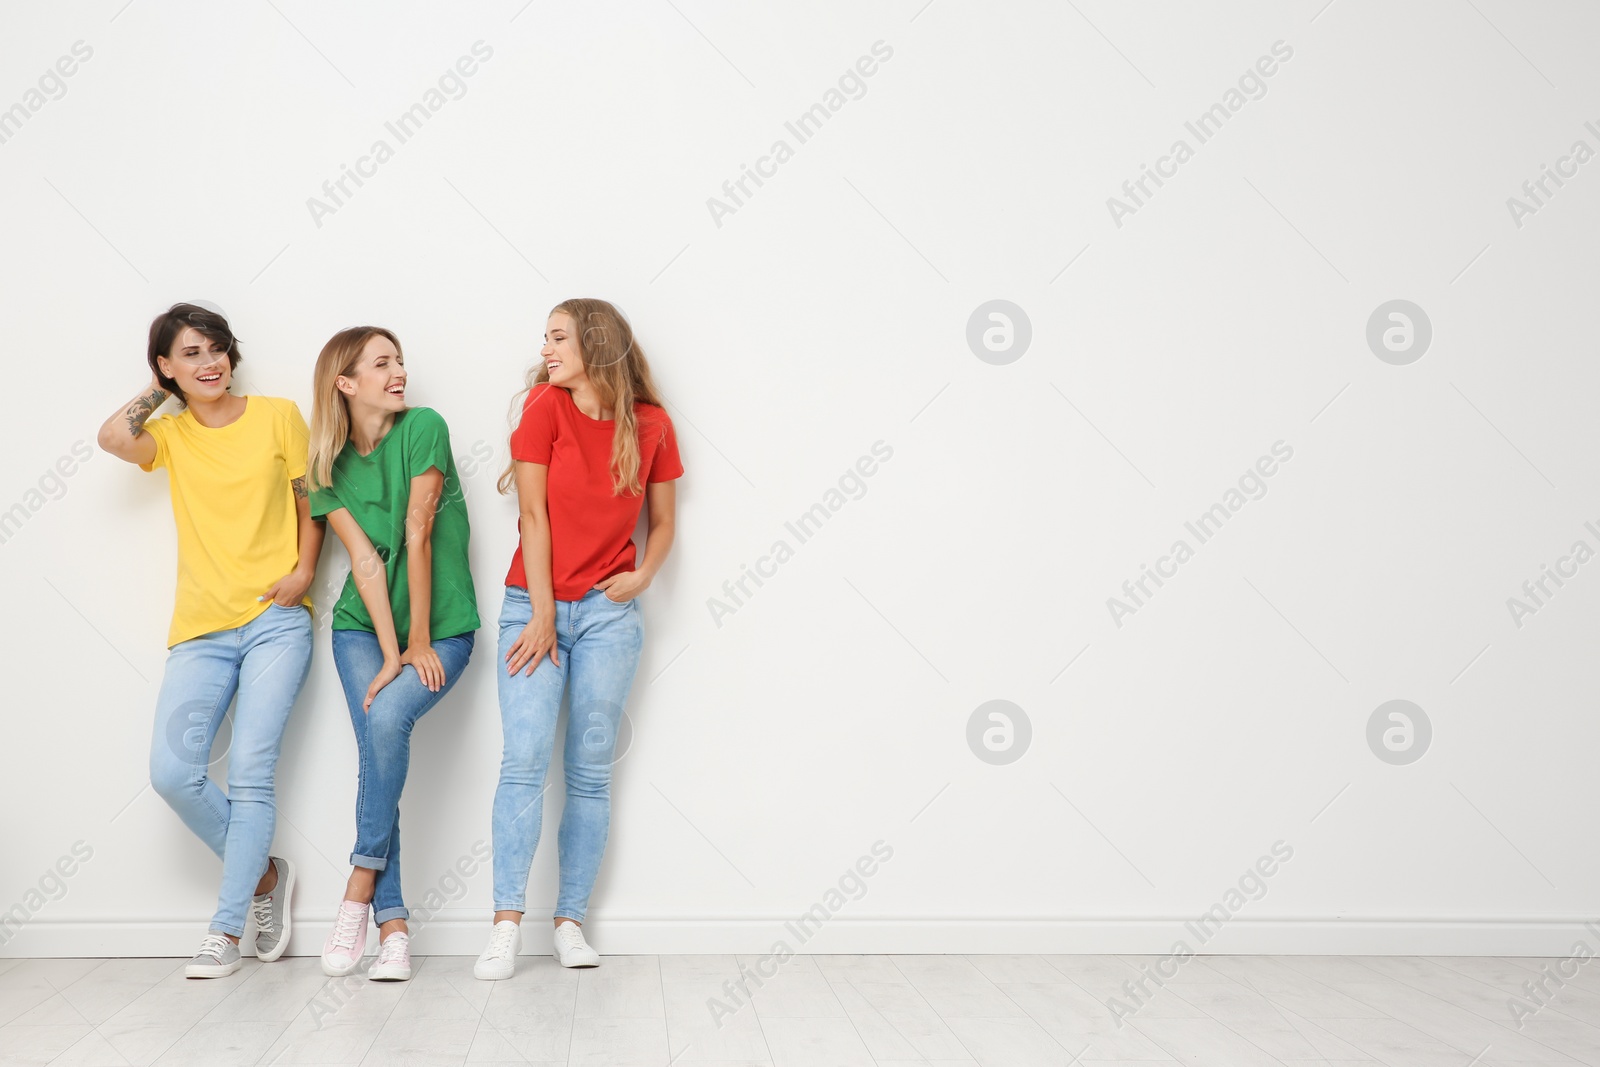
376	490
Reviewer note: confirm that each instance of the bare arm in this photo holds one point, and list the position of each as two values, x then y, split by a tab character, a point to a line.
123	434
421	508
539	636
290	590
532	479
311	532
661	498
366	566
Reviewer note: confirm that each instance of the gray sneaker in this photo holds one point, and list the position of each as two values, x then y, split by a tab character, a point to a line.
271	912
218	957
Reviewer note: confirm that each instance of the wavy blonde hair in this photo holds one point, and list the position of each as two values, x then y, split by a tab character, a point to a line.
616	366
330	410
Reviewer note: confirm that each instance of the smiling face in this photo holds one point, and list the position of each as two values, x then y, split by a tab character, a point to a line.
378	379
560	352
198	365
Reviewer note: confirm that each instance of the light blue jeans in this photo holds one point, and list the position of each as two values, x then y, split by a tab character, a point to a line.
383	739
599	641
265	662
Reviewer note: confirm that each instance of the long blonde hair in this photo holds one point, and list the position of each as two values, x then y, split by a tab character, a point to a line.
330	411
617	368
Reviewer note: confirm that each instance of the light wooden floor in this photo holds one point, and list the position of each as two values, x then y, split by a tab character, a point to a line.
819	1011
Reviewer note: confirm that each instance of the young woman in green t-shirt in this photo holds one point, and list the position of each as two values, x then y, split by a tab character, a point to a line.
403	627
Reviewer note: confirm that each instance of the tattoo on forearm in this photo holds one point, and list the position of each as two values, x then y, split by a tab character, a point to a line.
299	487
140	410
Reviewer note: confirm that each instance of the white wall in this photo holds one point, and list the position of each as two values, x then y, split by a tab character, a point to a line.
830	311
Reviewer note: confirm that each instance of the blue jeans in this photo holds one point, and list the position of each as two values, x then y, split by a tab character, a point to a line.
599	641
383	739
265	662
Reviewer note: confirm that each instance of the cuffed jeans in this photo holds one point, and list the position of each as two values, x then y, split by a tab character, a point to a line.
265	662
383	739
599	641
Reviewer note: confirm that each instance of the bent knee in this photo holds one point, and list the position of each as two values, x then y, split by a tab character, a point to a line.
516	770
589	781
173	781
388	731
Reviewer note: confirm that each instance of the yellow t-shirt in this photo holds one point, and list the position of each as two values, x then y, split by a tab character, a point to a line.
238	527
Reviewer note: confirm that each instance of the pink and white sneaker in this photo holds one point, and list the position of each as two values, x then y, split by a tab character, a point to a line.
347	941
394	959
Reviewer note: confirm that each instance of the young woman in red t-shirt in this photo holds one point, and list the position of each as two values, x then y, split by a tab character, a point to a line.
592	446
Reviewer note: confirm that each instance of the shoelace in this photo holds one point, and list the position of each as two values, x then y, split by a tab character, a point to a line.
346	925
500	942
571	935
213	945
393	949
262	910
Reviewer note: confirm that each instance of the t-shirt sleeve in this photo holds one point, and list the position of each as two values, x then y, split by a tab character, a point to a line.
666	465
534	435
157	429
296	439
323	500
427	442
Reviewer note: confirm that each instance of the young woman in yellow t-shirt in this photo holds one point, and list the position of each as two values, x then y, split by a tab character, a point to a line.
241	622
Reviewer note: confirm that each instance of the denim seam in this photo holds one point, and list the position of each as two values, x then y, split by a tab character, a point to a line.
361	781
218	708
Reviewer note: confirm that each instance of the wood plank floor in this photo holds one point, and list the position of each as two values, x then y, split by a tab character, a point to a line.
817	1011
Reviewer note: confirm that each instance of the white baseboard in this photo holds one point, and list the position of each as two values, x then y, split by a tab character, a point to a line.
464	933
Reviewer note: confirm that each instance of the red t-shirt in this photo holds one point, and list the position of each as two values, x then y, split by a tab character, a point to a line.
591	529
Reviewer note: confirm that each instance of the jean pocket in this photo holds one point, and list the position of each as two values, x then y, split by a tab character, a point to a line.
294	620
516	609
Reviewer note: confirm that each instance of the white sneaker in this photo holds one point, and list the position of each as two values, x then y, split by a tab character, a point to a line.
499	960
571	949
394	959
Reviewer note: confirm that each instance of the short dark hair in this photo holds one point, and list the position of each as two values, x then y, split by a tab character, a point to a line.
171	322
